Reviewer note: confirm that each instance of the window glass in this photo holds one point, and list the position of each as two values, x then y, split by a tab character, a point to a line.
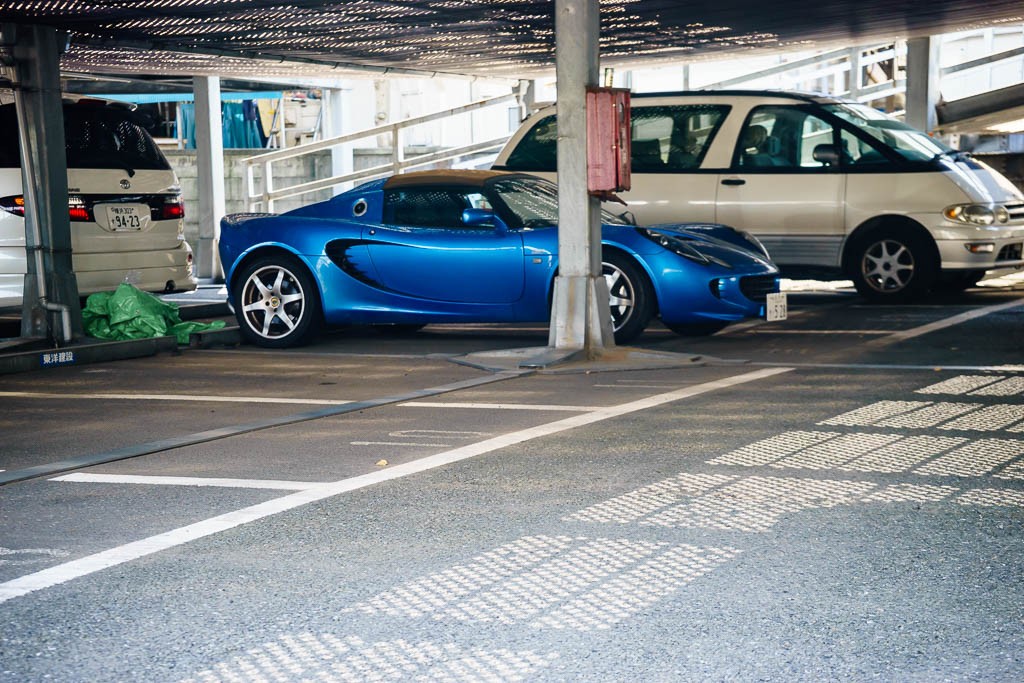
857	152
909	143
673	138
431	207
94	136
538	149
664	139
783	138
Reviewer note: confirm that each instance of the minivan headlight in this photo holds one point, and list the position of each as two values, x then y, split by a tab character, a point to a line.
977	214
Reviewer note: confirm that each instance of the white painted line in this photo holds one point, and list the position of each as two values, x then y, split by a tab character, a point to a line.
74	569
429	433
500	406
629	386
398	443
942	324
85	478
177	397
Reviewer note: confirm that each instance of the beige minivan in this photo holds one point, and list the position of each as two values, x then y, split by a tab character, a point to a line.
124	202
832	188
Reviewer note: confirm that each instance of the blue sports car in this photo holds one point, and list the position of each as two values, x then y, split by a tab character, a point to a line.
471	246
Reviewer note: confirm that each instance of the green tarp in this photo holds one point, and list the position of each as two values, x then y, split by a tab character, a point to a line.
130	313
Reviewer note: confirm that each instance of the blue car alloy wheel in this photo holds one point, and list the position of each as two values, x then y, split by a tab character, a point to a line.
456	246
277	303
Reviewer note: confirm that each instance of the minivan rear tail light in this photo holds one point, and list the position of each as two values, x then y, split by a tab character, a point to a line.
78	211
14	204
173	208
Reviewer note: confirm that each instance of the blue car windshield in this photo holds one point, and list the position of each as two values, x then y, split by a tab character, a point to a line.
534	202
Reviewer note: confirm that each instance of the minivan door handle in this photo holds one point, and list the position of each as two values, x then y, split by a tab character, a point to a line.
734	181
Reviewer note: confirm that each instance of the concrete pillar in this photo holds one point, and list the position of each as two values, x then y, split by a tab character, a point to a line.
923	76
339	122
209	175
580	313
50	306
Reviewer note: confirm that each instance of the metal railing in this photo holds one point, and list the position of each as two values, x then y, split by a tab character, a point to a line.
865	73
261	193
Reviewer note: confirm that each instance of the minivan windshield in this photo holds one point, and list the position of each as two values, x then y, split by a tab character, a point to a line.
534	202
910	143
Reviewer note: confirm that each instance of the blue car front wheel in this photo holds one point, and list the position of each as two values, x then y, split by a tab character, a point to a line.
276	302
631	297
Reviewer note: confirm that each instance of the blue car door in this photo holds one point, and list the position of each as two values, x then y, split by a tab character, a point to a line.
425	251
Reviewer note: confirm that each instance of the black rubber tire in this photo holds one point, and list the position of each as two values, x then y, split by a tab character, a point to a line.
399	330
632	299
705	329
288	292
891	266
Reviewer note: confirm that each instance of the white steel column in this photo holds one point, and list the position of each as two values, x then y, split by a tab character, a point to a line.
923	75
50	305
339	122
210	174
580	313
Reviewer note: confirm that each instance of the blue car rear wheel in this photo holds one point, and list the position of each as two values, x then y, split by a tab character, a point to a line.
276	302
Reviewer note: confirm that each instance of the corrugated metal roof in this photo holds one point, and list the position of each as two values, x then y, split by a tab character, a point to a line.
510	38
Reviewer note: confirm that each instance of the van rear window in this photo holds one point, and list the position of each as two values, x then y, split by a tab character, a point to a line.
95	137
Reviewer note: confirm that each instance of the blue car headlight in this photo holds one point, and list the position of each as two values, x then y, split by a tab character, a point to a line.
682	247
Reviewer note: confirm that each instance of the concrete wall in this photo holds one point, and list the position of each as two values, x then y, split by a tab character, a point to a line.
287	172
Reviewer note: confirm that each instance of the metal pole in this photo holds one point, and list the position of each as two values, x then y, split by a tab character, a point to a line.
210	174
922	82
50	283
580	314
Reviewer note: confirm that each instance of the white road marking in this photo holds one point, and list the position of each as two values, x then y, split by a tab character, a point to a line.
86	478
629	386
397	443
177	397
500	406
413	433
89	564
944	323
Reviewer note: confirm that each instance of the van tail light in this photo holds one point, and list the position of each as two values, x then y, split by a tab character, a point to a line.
173	208
78	211
14	204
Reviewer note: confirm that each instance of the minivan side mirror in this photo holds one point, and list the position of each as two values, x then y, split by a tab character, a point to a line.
826	154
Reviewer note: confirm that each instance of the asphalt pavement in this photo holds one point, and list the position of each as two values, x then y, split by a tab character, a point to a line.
839	496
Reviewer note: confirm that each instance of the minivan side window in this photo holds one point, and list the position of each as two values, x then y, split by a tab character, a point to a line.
665	139
785	139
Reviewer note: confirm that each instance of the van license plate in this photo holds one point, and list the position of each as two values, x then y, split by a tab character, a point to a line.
775	306
125	217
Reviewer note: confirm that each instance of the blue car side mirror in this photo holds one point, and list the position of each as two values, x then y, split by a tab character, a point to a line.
483	218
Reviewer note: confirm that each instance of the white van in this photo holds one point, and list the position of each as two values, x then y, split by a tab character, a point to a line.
832	188
124	203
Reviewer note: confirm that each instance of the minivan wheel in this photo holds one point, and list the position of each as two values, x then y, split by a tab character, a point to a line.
631	297
891	266
276	302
